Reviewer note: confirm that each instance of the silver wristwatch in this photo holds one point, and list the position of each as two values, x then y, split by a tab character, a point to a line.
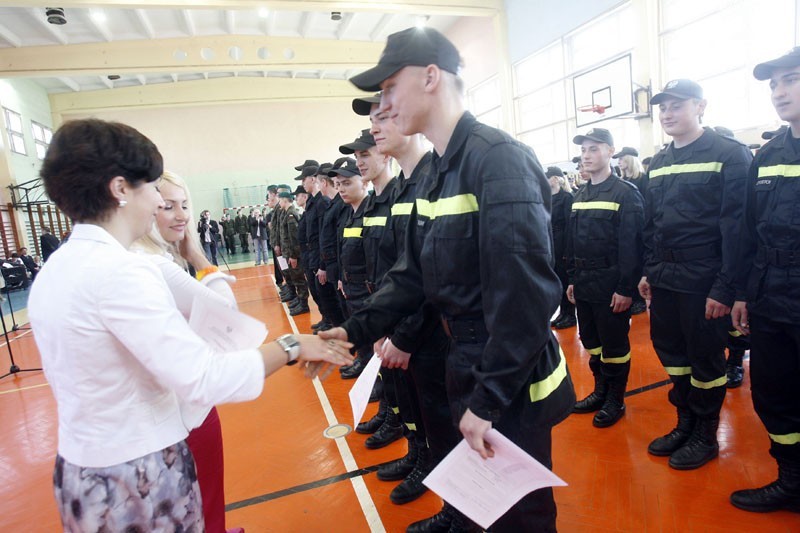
291	346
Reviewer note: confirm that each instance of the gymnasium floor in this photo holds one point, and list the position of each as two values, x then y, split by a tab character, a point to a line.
282	475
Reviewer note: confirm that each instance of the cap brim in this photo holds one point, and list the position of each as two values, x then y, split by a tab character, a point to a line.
580	138
666	95
370	80
299	167
342	172
354	147
363	106
763	71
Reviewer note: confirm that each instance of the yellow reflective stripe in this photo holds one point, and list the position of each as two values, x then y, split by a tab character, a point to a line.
396	410
616	360
352	233
374	221
734	333
786	171
402	208
715	166
607	206
719	382
411	427
454	205
542	389
595	351
791	438
678	370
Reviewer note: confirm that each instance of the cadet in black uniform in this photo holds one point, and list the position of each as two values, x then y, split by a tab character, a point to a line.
328	271
769	283
562	206
604	248
481	254
315	209
695	201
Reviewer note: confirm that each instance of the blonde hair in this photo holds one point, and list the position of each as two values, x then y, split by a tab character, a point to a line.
153	242
633	167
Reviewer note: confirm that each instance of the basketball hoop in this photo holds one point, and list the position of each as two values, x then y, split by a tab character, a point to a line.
598	109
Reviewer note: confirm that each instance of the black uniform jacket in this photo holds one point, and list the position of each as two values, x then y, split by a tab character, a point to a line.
562	207
352	259
695	201
479	249
769	267
376	219
604	246
329	237
312	222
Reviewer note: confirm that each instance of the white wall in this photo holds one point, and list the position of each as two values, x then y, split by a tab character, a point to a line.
477	43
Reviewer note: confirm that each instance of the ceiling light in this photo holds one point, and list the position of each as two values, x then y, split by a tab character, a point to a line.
55	15
336	15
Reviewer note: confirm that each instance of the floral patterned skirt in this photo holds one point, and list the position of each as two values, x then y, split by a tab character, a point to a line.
157	492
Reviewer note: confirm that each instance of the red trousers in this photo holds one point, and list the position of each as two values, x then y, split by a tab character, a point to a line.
205	442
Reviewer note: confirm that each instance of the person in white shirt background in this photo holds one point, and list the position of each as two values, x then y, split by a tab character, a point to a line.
123	364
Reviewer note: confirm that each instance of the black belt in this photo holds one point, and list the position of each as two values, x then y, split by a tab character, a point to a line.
354	278
594	263
327	257
779	258
464	330
684	255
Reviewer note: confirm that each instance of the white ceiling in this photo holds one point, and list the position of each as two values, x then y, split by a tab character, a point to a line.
24	27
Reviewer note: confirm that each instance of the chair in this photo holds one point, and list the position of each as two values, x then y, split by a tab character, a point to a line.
16	277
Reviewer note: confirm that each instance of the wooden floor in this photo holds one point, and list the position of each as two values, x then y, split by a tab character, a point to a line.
283	475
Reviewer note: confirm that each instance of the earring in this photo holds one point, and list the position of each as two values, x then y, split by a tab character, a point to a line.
123	203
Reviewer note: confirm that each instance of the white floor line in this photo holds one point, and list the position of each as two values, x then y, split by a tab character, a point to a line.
16	337
360	488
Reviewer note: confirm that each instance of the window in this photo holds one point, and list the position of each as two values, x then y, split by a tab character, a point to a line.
16	139
41	138
485	103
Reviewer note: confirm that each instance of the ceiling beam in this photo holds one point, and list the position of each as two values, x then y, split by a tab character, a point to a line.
201	92
144	22
380	26
136	57
100	29
344	25
304	28
188	23
474	8
230	21
107	82
9	36
39	18
142	79
72	84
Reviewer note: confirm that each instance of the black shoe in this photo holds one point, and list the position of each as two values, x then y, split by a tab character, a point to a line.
300	309
399	468
780	495
590	404
568	322
609	415
675	439
735	376
390	431
438	523
354	370
411	487
288	297
701	447
557	319
373	424
318	324
639	307
324	327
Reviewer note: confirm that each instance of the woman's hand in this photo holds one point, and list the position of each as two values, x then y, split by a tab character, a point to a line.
322	355
190	250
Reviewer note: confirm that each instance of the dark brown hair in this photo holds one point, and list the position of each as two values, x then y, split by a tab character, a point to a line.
85	155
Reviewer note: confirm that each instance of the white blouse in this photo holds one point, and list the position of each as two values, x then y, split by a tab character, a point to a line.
119	355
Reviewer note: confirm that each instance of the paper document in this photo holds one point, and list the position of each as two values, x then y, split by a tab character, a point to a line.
282	263
226	329
484	489
359	394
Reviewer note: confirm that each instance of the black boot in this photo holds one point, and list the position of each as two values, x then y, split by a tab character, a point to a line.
373	424
667	444
438	523
780	495
638	307
701	447
614	406
596	399
318	324
400	468
390	431
354	370
301	308
412	488
377	391
557	319
288	296
569	321
735	375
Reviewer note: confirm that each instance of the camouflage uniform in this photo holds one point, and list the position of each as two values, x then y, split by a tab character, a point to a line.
290	249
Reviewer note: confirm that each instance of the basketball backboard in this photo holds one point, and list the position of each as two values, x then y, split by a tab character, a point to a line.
604	92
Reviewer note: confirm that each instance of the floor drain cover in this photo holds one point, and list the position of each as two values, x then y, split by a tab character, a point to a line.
337	430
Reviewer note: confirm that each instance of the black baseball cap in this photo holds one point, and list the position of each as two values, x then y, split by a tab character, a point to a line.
725	132
324	168
300	190
365	141
576	159
626	150
362	106
767	135
344	166
680	89
554	171
308	171
599	135
646	160
763	71
418	47
308	163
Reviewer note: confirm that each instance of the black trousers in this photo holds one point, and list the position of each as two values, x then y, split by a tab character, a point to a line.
243	241
604	334
566	307
278	274
356	296
691	348
311	282
328	302
775	378
536	511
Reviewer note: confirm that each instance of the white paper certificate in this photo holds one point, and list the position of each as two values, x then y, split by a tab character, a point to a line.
282	263
484	489
359	394
226	329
